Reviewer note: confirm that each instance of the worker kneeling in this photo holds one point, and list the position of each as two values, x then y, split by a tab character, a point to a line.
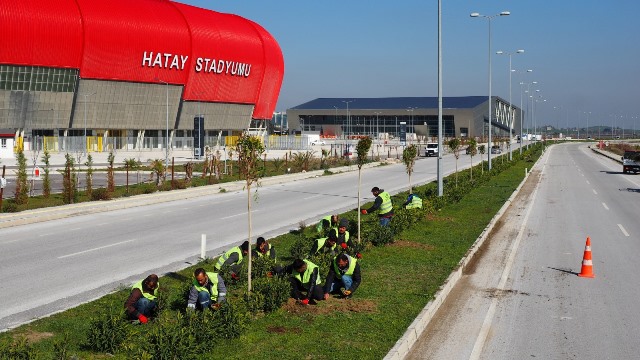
141	303
413	202
344	277
305	281
207	291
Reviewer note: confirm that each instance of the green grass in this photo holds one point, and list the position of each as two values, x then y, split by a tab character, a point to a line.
398	281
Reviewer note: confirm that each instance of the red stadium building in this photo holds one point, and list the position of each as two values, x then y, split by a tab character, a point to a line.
117	74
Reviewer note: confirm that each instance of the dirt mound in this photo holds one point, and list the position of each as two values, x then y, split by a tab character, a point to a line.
332	305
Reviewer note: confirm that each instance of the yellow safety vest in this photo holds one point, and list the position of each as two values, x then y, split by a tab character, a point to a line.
350	268
386	205
151	297
306	277
226	255
213	279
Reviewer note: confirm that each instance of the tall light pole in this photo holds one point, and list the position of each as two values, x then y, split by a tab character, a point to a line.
489	18
587	113
439	162
510	117
410	109
348	117
521	93
85	119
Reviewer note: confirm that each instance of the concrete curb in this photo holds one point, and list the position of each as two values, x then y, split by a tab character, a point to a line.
402	347
607	154
61	212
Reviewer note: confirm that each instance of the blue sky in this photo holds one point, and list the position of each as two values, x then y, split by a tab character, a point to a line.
584	55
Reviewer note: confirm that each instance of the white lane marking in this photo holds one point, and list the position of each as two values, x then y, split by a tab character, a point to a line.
43	235
74	229
594	191
486	324
623	230
147	215
232	216
588	183
94	249
202	205
605	206
167	212
311	197
102	224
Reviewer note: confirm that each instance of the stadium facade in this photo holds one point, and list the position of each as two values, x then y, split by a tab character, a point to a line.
466	116
118	74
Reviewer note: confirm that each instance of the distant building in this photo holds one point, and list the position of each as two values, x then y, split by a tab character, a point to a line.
122	72
466	116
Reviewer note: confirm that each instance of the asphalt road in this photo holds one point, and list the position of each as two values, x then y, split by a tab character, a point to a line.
523	298
50	266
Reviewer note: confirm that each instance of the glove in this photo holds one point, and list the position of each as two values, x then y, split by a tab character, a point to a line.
343	245
346	292
304	302
326	296
191	307
364	211
234	276
270	274
215	306
143	319
358	256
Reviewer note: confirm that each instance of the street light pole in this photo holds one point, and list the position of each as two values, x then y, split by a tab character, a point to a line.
348	117
510	117
489	18
377	123
166	149
85	119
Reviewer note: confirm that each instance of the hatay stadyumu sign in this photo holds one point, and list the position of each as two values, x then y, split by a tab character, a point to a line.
206	65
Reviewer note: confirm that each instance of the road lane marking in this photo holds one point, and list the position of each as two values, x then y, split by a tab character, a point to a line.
588	183
311	197
74	229
43	235
232	216
94	249
102	224
594	191
605	206
486	324
623	230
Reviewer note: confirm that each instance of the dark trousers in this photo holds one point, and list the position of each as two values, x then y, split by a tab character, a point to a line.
298	292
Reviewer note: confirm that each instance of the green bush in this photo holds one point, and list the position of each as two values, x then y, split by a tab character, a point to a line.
275	291
100	194
379	235
301	247
166	338
107	332
17	349
9	206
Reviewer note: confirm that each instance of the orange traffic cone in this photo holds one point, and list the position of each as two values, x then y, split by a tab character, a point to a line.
587	264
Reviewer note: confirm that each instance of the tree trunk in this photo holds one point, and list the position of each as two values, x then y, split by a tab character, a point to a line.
359	213
410	187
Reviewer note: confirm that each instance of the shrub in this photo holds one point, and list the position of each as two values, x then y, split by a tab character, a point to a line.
9	206
17	349
231	320
275	292
379	235
301	247
168	338
107	332
100	194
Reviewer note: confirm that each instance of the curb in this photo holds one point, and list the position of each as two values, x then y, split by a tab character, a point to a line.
402	347
607	154
92	207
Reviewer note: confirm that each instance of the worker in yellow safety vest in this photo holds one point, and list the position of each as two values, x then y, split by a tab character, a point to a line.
344	277
207	291
413	202
382	204
305	281
142	301
233	258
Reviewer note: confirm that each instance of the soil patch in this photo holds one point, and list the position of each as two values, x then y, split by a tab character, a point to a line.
331	306
33	336
412	244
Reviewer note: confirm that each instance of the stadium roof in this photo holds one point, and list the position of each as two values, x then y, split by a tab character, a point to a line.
392	103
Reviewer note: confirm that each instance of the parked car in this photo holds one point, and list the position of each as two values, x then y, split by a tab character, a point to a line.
495	149
318	142
631	162
431	149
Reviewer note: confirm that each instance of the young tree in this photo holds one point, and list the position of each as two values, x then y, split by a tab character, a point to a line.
482	149
111	185
157	169
409	158
249	149
454	146
69	193
22	189
362	149
472	150
130	164
46	181
89	180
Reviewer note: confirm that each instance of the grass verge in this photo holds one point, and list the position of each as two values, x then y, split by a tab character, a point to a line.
398	280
